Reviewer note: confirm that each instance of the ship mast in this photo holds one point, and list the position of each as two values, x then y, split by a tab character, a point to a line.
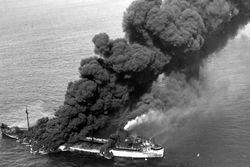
27	116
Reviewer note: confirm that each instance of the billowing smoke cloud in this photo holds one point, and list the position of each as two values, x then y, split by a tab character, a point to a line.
188	30
160	37
176	24
106	85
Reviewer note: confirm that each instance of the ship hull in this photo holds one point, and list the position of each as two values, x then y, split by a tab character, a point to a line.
144	152
138	154
9	136
119	153
93	151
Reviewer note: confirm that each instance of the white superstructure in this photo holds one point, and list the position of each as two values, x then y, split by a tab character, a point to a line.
138	154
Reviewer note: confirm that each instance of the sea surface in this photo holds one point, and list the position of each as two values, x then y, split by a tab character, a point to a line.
41	45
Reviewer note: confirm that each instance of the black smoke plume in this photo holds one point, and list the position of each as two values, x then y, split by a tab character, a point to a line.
161	37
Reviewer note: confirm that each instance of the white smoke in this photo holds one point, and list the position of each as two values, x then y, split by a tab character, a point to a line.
151	116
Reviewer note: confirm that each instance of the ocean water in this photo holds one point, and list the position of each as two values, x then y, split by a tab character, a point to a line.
41	45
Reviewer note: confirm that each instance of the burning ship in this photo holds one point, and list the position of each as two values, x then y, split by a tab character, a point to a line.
128	147
121	144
